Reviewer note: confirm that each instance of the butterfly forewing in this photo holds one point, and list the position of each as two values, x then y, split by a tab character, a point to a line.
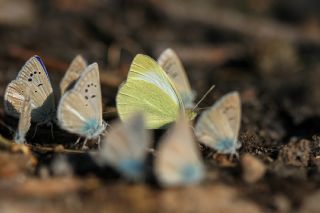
178	160
150	90
124	147
172	65
74	71
24	120
80	109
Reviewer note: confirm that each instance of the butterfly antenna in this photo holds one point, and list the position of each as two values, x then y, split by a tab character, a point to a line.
203	97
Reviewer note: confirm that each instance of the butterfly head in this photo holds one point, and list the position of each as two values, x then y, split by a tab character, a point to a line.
190	114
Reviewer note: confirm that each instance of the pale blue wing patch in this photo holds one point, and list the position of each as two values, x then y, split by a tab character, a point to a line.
178	160
80	109
125	147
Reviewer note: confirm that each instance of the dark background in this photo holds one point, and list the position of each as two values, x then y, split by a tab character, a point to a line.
268	50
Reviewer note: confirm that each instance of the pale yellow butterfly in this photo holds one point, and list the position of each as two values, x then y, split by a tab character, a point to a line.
148	89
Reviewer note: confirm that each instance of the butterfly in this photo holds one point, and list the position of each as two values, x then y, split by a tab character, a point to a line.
149	89
172	65
125	147
80	108
178	160
34	76
74	71
24	119
218	127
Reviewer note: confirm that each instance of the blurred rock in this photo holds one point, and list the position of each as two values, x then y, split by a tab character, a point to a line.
296	153
217	198
15	166
253	168
17	12
61	167
311	203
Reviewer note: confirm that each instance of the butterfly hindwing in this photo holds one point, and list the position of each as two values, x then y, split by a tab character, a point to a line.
172	65
24	120
150	90
14	97
80	109
74	71
124	147
218	127
178	160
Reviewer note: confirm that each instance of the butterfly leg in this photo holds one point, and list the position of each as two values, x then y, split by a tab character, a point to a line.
84	145
51	129
98	142
35	131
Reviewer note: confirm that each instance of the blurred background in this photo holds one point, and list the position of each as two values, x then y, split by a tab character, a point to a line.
268	50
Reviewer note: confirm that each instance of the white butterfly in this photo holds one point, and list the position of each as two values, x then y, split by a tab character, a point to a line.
178	160
34	76
74	71
125	147
80	109
172	65
218	127
24	120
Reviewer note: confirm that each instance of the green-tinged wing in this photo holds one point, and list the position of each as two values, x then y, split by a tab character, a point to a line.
147	69
141	96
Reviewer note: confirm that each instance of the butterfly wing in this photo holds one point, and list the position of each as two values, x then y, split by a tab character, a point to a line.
74	71
124	147
24	120
14	97
80	109
218	127
35	76
178	159
172	65
150	90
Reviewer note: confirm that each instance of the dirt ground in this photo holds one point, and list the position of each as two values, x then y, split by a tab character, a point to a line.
268	50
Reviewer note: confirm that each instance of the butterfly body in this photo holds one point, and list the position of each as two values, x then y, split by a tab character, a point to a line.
218	127
148	89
